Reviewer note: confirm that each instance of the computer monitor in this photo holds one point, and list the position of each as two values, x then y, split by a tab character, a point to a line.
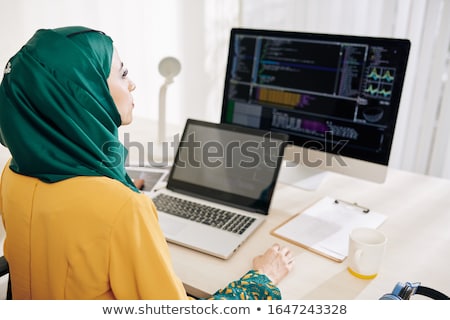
337	96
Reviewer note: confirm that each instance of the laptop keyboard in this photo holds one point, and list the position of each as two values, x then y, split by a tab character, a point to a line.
221	219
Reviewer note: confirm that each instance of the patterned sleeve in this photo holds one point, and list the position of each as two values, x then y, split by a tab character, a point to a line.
251	286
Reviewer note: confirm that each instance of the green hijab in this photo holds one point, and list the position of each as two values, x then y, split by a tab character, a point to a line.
57	116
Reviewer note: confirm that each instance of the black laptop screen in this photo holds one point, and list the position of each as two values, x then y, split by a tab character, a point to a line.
228	164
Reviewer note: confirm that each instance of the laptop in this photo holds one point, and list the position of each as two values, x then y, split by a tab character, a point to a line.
230	173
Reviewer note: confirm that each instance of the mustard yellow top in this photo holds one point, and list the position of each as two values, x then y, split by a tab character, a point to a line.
84	238
94	238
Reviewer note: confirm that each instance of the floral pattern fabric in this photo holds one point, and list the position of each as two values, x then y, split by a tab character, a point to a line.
252	286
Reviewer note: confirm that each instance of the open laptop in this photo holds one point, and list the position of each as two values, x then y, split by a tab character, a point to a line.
229	169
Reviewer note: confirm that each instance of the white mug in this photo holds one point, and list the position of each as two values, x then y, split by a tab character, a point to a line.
365	252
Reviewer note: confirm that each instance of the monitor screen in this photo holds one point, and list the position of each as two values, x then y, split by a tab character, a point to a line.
334	94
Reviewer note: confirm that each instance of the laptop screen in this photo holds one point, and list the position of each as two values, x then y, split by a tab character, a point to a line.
228	164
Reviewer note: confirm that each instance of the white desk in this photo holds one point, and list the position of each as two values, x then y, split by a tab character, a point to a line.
418	228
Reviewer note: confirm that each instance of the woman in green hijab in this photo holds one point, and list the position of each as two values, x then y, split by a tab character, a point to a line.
76	225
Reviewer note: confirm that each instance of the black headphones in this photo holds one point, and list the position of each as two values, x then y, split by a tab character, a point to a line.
405	291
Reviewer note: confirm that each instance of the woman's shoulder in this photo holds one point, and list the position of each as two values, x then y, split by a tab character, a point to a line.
102	187
96	190
112	194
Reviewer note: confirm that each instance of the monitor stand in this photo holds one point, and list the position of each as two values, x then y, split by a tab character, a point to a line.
296	175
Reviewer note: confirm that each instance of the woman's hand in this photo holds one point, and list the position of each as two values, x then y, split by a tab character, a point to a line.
275	263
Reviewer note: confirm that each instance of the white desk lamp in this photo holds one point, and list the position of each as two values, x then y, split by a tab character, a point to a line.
169	67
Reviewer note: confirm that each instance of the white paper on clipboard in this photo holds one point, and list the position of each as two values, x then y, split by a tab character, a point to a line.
324	227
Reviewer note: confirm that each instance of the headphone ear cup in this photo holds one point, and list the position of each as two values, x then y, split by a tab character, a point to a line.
390	296
404	291
396	294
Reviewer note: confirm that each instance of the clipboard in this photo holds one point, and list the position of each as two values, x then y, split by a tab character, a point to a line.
324	227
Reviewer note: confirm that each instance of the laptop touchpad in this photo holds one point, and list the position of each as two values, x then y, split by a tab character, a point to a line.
170	226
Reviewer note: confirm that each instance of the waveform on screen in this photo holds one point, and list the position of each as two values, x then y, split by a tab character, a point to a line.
378	92
377	75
